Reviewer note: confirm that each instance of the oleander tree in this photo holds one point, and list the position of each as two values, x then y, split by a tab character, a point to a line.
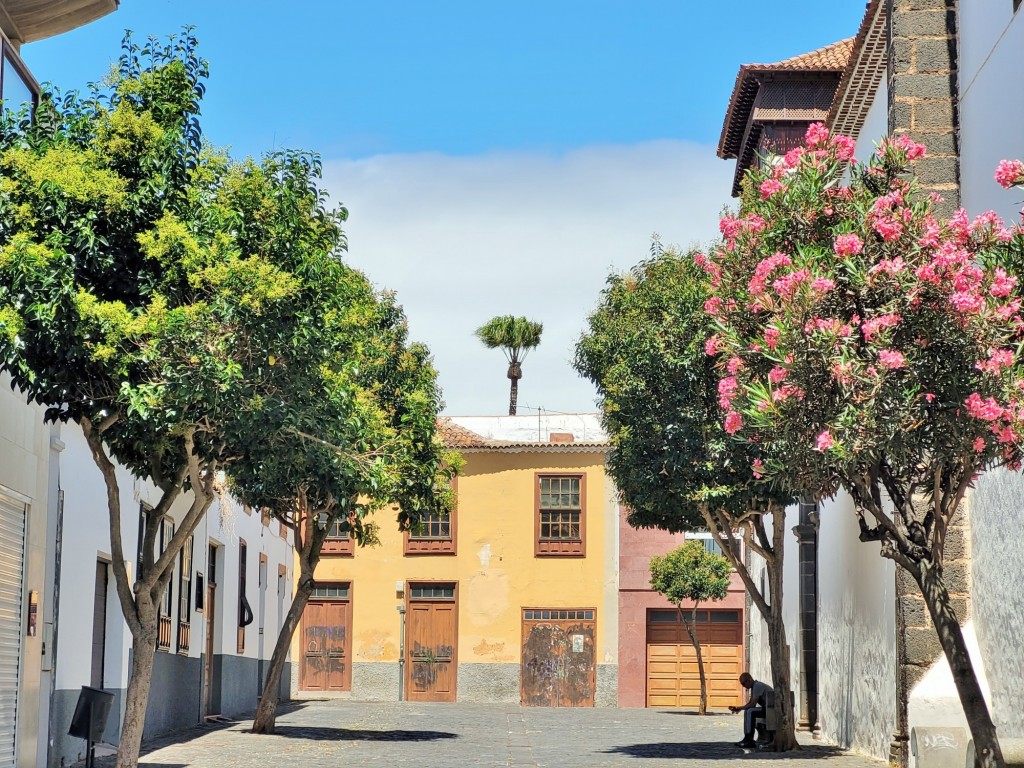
675	467
515	337
691	574
864	342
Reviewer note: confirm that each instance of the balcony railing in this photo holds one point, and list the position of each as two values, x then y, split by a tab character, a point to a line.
163	637
184	632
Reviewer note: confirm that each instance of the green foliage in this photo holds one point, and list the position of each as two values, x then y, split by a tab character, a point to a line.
644	351
513	335
690	574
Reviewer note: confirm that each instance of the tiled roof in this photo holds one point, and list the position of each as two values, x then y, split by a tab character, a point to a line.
462	439
863	74
832	58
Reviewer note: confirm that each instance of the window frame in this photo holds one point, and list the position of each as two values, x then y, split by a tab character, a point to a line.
435	545
165	610
185	596
559	547
338	546
8	53
243	557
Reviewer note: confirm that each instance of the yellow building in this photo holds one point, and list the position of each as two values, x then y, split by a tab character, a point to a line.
513	599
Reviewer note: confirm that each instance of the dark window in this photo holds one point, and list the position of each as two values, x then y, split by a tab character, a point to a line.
553	615
185	597
163	640
330	592
435	534
561	510
17	87
339	541
432	592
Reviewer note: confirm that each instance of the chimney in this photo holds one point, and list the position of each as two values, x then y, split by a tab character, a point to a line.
560	437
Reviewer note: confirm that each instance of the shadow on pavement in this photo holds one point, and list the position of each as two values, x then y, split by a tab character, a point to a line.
350	734
720	750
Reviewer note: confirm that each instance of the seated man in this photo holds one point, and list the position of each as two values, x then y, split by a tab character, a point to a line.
753	709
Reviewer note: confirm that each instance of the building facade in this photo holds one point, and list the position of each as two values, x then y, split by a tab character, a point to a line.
514	598
946	73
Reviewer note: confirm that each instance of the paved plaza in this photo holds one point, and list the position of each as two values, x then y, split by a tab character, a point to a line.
356	734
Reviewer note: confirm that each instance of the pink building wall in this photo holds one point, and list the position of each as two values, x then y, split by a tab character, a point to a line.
636	547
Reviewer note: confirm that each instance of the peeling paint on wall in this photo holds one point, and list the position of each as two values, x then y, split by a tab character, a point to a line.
487	597
375	646
492	651
485	556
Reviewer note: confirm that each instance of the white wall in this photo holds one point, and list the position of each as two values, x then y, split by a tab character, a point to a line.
991	103
856	634
876	124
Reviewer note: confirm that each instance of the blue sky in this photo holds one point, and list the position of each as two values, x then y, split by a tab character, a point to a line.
462	135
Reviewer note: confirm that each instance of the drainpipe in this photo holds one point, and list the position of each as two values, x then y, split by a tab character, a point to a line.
807	537
401	651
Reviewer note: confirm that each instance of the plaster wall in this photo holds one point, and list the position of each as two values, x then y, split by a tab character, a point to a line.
856	634
876	124
496	572
991	49
997	600
25	456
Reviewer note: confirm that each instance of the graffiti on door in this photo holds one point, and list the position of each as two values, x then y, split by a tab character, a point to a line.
429	662
558	665
325	648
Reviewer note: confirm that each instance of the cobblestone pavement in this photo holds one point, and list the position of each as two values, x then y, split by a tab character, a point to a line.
360	735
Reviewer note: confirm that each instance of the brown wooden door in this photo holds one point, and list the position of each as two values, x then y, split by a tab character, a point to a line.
559	658
211	601
326	646
431	640
673	677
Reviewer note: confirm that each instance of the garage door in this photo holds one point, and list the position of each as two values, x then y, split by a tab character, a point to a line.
559	657
673	679
12	561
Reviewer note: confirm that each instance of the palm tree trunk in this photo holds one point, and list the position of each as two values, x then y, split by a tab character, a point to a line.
513	396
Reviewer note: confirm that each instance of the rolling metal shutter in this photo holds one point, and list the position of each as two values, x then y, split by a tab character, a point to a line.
12	565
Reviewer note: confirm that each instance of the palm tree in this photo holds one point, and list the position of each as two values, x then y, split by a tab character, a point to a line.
515	336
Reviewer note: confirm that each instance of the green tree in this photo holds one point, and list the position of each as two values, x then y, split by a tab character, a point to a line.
130	306
865	342
691	574
676	468
515	336
347	407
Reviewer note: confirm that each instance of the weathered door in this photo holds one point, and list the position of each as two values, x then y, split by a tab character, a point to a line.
326	640
431	640
559	658
673	678
210	611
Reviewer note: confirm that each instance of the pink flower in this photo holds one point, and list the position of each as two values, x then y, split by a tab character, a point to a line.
735	365
771	337
733	422
979	444
787	285
889	228
985	409
930	397
1010	173
777	374
891	359
792	158
1002	283
966	301
711	346
848	245
823	284
769	187
727	389
845	146
758	468
872	327
825	441
817	134
713	306
1001	358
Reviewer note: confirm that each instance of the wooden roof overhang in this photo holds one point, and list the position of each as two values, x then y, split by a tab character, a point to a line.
796	89
25	21
863	74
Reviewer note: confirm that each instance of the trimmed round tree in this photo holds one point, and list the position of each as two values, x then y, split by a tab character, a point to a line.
864	342
674	465
691	574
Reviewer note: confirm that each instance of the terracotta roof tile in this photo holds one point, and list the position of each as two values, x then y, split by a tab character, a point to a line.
460	438
455	436
832	58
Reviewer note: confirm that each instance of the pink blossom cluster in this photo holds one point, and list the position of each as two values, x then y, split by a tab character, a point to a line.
848	245
769	187
871	328
905	144
763	270
786	285
727	389
1010	173
825	441
891	359
997	361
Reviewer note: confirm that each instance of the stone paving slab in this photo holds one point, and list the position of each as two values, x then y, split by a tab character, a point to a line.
367	735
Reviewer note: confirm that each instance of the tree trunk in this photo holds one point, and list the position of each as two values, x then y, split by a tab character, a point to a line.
979	721
785	730
137	695
513	397
691	631
266	712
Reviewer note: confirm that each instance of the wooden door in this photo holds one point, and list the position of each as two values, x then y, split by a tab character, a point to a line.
99	625
673	677
559	667
431	640
210	612
326	644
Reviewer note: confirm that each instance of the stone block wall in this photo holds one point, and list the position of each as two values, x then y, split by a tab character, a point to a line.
922	79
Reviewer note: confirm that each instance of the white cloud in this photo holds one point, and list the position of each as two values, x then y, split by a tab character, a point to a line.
464	238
